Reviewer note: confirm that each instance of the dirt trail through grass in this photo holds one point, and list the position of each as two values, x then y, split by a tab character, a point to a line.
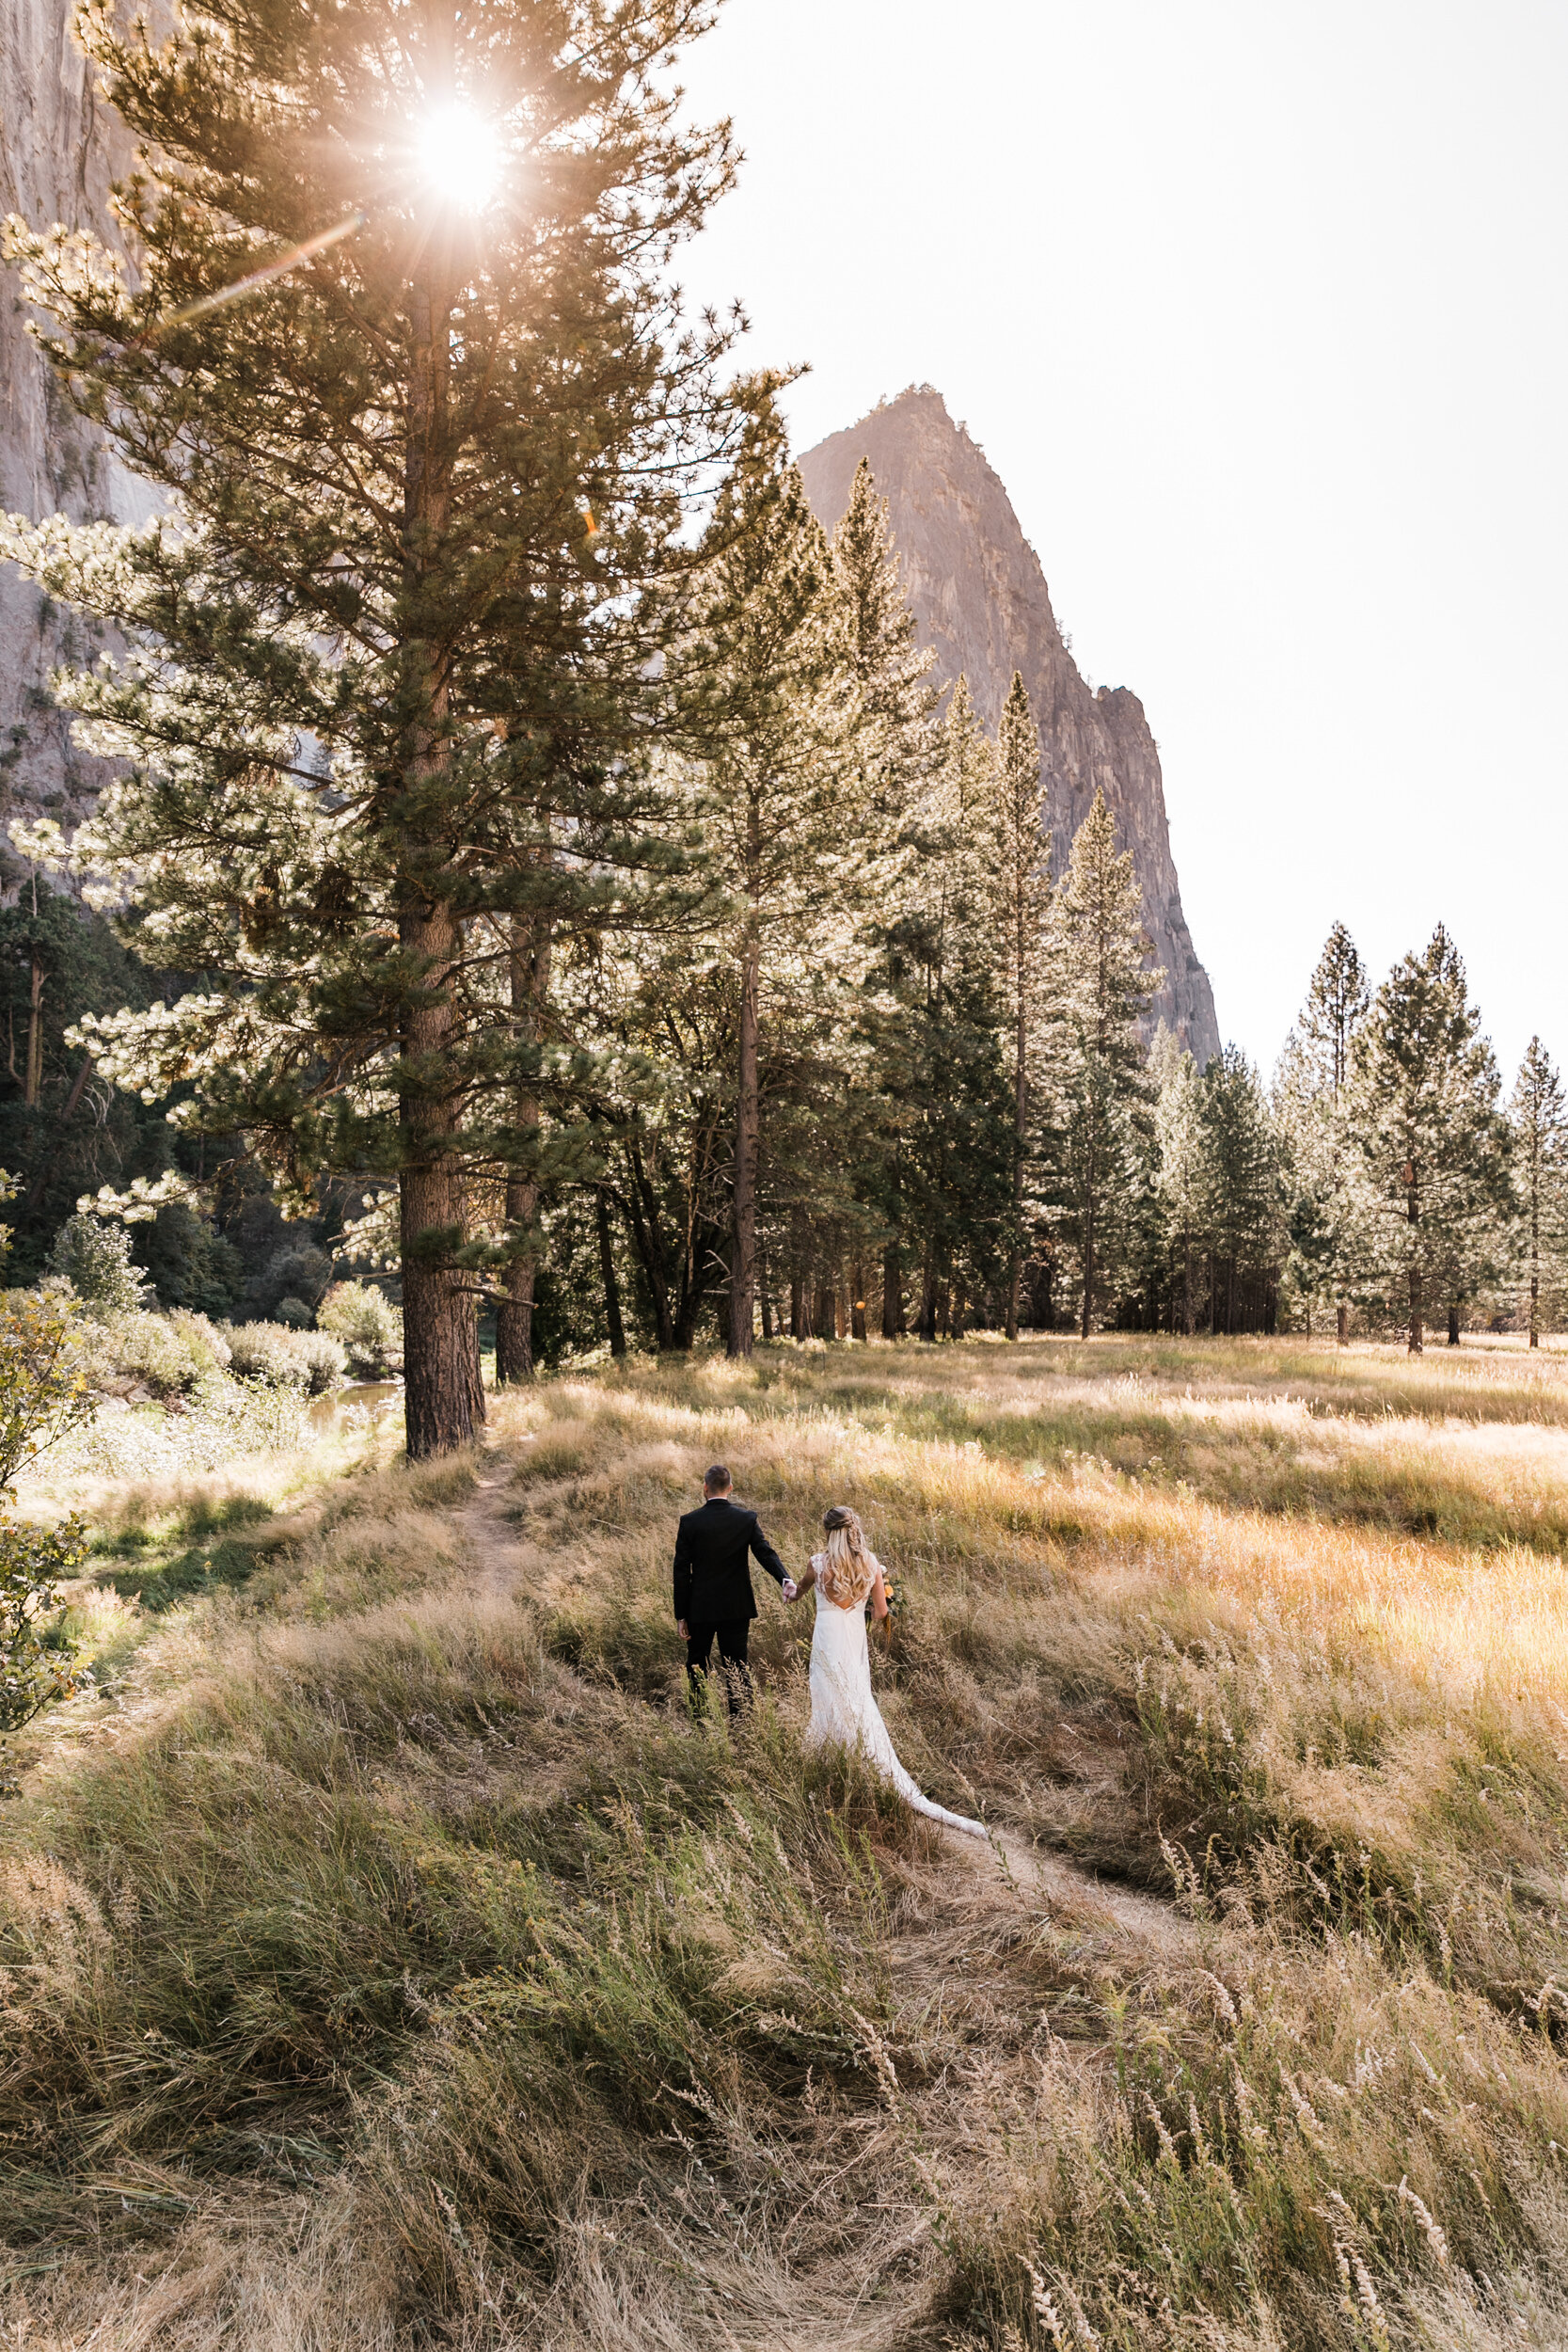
508	1565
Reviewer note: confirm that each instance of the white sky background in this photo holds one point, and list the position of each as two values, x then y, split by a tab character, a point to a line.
1259	312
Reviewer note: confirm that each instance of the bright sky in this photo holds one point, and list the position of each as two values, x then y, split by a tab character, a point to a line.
1258	310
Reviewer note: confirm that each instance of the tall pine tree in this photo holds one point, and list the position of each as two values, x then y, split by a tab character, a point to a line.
1023	853
1431	1173
1309	1113
1105	985
1538	1118
382	666
768	719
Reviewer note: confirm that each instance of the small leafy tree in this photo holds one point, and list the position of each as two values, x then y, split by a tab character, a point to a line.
367	1323
37	1663
95	1258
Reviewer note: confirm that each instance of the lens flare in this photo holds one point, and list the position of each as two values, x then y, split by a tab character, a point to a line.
461	156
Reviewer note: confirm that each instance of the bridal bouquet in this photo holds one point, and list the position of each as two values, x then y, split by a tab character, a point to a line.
890	1594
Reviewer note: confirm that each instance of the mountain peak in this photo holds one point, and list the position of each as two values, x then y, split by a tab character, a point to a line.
981	597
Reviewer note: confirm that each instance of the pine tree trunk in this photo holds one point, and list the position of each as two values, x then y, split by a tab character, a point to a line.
648	1242
1535	1265
441	1410
1342	1332
764	1295
893	1292
744	1242
35	1030
857	1301
606	1271
440	1403
1089	1267
1413	1216
929	1295
1453	1325
528	972
1021	1119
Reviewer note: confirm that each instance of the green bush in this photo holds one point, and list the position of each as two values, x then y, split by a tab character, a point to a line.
326	1357
311	1361
208	1348
368	1326
293	1313
37	1659
95	1258
146	1348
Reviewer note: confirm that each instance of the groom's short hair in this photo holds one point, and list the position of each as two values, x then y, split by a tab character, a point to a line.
717	1480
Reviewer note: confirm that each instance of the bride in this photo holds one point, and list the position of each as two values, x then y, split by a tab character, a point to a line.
844	1714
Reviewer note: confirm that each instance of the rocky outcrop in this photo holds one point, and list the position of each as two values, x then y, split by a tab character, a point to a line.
60	147
981	597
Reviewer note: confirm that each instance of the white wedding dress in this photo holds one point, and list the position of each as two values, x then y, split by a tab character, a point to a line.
844	1713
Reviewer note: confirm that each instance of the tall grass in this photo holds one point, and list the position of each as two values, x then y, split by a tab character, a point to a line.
395	1959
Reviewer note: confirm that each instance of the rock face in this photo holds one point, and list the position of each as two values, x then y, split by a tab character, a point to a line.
981	597
60	147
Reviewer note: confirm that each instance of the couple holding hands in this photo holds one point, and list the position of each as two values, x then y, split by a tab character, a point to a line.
714	1602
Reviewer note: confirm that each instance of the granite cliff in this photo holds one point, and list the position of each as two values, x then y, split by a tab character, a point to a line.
61	145
981	597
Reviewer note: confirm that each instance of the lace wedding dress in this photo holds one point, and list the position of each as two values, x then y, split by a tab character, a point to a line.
844	1713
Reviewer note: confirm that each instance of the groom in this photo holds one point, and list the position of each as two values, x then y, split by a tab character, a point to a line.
713	1585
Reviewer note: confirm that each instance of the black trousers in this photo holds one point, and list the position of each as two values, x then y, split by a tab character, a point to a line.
733	1634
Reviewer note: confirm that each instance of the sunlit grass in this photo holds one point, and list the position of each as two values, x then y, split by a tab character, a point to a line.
392	1959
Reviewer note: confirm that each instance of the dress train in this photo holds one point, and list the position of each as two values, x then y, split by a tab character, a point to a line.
845	1713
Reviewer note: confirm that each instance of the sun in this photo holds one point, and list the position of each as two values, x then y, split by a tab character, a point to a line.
461	156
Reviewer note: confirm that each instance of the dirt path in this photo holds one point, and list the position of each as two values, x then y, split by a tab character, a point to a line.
1099	1906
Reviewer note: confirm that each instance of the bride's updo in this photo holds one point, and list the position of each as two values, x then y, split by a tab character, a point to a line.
848	1568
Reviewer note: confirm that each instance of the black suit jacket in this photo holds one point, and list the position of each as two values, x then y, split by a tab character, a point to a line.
713	1581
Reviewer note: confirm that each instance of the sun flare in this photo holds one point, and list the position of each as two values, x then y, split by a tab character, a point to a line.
461	156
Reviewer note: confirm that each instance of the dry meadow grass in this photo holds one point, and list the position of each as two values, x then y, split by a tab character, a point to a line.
388	1958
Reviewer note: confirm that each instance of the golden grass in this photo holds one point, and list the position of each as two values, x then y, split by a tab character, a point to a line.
388	1958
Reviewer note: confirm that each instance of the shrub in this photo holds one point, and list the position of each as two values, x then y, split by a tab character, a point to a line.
225	1418
368	1326
207	1347
95	1258
42	1395
149	1349
327	1358
36	1658
312	1361
293	1313
266	1351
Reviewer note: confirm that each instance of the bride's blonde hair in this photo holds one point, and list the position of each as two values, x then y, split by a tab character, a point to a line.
849	1565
